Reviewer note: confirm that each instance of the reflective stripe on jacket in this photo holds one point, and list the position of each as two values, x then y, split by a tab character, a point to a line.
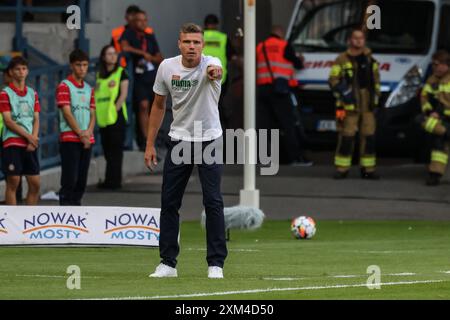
280	66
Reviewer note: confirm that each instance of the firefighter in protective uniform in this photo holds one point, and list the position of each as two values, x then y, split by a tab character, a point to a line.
435	99
355	83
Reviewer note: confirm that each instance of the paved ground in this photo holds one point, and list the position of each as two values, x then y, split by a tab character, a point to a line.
401	194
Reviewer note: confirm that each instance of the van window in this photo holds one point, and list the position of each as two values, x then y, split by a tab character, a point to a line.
324	26
444	28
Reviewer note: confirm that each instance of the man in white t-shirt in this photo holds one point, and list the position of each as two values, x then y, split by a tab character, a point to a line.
194	83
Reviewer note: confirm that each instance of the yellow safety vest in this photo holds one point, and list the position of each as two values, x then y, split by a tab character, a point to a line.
106	93
216	46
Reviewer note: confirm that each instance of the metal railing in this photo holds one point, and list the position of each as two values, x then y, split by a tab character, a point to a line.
20	43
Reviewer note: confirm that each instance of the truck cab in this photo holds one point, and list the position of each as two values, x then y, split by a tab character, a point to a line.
411	31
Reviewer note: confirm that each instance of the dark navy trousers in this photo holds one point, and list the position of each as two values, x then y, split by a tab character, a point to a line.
175	178
75	161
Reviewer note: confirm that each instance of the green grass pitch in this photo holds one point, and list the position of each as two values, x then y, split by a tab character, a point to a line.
413	256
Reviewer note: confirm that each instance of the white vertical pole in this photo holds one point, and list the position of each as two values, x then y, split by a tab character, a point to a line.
249	195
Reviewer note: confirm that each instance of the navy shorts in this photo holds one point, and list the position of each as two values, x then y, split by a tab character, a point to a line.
143	90
17	161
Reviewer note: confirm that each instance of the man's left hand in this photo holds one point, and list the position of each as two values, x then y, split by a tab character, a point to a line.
214	73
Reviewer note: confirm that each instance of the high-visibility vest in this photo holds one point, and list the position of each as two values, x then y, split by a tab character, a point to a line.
429	94
216	46
280	66
22	111
80	107
116	34
106	93
436	95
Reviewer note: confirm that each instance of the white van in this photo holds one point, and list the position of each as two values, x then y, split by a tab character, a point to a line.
411	31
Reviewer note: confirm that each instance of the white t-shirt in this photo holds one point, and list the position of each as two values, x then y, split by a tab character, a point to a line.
195	99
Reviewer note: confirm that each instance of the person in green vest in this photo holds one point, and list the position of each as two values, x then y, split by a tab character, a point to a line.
6	81
76	103
217	44
110	95
19	105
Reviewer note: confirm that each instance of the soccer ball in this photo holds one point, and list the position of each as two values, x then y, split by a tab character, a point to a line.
303	227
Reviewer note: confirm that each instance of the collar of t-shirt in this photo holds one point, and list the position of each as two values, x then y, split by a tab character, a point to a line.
75	83
187	68
20	93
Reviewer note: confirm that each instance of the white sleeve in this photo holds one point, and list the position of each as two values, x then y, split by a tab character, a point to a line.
213	61
160	86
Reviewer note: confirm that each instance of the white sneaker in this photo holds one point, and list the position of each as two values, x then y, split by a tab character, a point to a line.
215	272
164	271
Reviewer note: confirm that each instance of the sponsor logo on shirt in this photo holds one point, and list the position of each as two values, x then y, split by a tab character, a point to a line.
183	85
77	108
24	107
23	111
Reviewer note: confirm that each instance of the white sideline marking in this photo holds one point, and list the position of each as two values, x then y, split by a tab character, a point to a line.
379	251
389	251
232	250
224	293
401	274
446	272
49	276
343	276
284	279
38	276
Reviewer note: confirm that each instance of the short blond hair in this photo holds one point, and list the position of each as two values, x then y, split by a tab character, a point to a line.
191	28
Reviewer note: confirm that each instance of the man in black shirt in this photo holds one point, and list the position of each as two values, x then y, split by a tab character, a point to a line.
146	58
